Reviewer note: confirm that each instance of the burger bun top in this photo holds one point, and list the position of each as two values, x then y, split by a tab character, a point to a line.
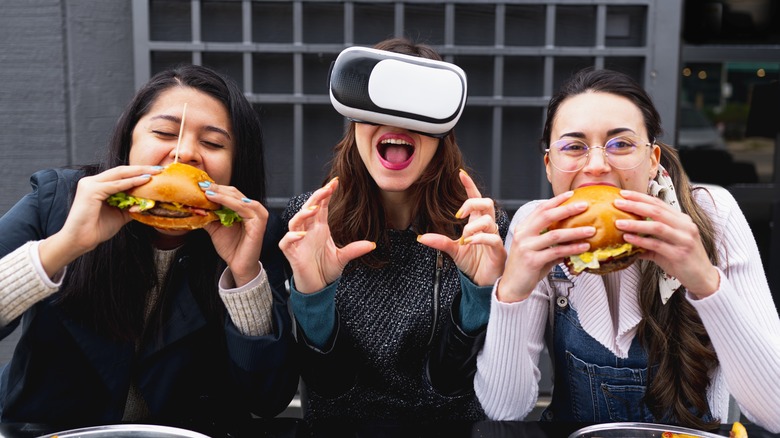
178	182
601	214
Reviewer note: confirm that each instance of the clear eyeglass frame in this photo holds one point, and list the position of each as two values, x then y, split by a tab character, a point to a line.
582	160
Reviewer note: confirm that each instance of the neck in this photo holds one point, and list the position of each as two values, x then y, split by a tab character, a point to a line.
166	241
398	209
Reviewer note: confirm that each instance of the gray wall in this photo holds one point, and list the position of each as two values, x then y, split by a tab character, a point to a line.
66	71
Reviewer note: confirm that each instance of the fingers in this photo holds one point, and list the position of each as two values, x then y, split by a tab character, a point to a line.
468	184
314	209
117	179
354	250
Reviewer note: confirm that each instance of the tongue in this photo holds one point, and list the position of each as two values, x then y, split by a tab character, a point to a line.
396	154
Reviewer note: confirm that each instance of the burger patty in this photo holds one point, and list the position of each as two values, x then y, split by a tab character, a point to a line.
165	212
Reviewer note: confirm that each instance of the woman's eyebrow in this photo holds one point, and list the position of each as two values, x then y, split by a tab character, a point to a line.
177	119
217	130
610	133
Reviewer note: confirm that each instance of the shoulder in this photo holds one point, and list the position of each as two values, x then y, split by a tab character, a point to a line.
52	179
714	200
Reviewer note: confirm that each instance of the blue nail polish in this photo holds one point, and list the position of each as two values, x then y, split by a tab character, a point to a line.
247	200
210	193
204	184
158	167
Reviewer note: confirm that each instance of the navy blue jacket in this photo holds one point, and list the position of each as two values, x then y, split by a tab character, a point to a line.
200	373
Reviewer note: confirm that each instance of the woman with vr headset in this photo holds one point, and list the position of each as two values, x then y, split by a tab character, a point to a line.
393	261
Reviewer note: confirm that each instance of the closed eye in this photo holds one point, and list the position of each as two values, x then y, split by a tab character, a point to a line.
166	134
213	145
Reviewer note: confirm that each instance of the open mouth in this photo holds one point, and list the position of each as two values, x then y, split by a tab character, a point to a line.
395	153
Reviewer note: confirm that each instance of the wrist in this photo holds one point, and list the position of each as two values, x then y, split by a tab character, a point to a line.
709	285
56	251
505	294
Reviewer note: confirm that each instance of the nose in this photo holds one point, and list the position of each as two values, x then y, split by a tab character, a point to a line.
187	150
597	162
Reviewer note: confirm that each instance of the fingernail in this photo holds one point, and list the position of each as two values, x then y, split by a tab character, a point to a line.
210	193
158	167
620	223
330	183
464	172
146	175
247	200
313	207
581	204
465	241
204	184
301	233
620	202
419	236
458	213
373	246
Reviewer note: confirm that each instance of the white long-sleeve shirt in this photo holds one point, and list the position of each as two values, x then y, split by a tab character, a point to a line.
23	282
740	318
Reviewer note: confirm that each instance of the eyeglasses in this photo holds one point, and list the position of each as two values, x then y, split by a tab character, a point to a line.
437	136
623	152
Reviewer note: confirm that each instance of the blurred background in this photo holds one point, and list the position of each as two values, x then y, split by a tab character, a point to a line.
68	67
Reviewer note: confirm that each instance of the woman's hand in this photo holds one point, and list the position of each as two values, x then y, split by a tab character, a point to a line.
91	220
240	244
479	253
670	239
534	250
315	259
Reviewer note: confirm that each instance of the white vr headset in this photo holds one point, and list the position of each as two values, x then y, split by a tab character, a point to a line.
387	88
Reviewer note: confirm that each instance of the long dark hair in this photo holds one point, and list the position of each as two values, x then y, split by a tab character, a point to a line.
356	211
680	354
106	289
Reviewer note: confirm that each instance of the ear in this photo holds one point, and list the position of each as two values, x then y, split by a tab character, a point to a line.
655	161
547	167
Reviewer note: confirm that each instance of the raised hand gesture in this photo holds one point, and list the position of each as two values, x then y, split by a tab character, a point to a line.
315	259
479	253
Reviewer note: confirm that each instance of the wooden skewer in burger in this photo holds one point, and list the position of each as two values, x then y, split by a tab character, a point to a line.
172	199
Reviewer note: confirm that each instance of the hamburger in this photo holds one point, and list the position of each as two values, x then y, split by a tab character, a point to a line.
608	251
173	200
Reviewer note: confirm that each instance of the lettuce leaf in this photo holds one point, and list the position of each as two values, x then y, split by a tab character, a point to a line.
123	200
227	216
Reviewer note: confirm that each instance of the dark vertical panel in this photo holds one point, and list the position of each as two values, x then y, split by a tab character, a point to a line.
221	21
277	121
475	24
373	22
521	160
272	22
273	73
324	128
170	20
525	25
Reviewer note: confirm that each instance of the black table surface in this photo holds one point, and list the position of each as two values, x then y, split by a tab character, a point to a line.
296	428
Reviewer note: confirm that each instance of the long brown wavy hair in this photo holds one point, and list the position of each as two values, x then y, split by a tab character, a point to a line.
680	354
356	211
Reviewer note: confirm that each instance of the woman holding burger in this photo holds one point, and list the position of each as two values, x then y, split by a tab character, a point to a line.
666	339
181	322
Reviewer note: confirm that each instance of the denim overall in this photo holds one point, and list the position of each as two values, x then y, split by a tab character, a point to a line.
591	383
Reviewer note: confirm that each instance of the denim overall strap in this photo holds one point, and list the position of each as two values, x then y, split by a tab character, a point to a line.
591	383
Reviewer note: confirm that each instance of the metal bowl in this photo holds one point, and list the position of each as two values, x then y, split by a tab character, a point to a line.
636	430
127	430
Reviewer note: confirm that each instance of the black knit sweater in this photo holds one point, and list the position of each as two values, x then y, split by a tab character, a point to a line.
386	315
